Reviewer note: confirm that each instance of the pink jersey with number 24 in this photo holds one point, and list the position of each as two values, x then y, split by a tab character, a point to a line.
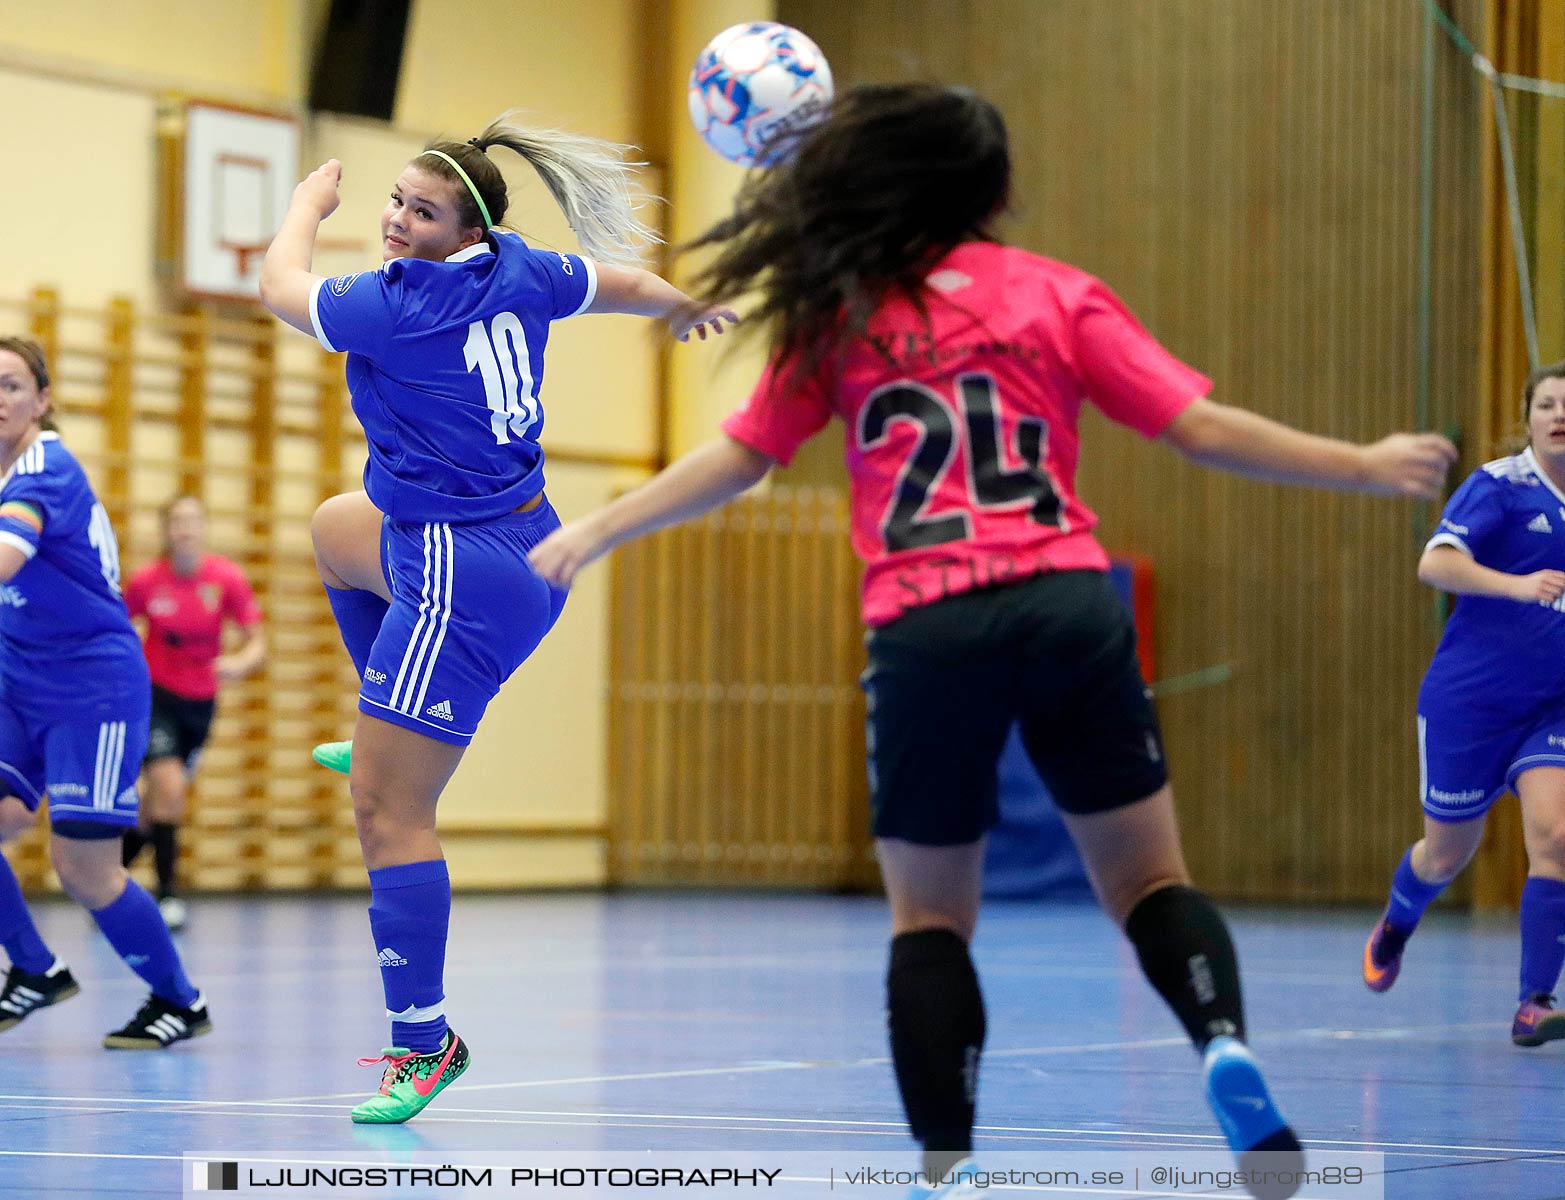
962	436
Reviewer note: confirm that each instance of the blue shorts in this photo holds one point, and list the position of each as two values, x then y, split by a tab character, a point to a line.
1469	758
87	762
466	611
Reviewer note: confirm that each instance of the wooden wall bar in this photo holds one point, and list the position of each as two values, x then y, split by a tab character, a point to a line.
210	403
1245	174
156	405
1524	37
736	724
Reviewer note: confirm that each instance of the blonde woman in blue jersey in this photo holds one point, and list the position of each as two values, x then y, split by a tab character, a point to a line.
1491	711
426	570
75	706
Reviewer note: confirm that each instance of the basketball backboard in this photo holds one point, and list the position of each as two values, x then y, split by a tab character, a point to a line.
239	170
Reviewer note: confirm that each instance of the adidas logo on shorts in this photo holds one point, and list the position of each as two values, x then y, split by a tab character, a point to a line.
441	710
1540	524
390	958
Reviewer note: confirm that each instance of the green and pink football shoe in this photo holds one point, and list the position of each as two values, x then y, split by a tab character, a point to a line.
411	1081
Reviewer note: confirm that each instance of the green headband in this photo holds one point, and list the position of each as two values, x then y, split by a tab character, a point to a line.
457	167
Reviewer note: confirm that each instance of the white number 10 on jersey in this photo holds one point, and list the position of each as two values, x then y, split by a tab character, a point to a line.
500	354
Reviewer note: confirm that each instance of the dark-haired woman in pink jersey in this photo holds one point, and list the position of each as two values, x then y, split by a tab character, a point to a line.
960	366
183	600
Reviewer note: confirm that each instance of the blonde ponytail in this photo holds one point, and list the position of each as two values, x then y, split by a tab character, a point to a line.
591	180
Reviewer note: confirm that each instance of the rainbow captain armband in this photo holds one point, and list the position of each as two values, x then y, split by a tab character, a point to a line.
20	510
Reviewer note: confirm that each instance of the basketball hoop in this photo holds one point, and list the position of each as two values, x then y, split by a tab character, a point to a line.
245	255
248	255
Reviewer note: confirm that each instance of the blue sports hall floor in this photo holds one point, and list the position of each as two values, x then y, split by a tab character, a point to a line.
660	1022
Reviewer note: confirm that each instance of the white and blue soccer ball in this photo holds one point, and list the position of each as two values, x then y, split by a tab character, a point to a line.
755	88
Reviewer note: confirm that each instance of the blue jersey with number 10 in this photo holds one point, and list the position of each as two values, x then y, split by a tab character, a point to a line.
445	366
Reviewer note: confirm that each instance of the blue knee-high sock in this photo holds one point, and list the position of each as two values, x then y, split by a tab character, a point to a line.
18	934
1410	896
358	615
1543	927
136	930
410	912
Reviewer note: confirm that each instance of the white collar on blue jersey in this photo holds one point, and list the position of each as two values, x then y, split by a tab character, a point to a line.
1536	468
472	251
44	435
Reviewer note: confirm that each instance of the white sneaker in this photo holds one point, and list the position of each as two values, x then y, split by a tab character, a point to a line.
960	1184
173	910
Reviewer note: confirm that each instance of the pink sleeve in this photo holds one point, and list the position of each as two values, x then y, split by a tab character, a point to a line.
1124	370
782	413
239	602
135	592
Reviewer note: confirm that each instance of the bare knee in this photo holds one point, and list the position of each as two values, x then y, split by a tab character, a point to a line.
89	870
15	818
326	531
1441	860
932	887
372	818
1546	848
165	794
393	826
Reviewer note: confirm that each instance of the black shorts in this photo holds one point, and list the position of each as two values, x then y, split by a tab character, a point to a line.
179	727
1055	654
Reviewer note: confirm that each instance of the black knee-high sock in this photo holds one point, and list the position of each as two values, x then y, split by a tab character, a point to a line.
1189	958
131	846
165	852
936	1016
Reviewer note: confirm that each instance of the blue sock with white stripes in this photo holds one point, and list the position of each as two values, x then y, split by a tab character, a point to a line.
18	934
135	929
1543	927
358	614
410	913
1410	896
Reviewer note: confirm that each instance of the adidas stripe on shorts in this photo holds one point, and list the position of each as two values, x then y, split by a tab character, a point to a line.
86	762
466	611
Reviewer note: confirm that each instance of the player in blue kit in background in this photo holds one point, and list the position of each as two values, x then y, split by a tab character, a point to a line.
1491	712
426	570
75	703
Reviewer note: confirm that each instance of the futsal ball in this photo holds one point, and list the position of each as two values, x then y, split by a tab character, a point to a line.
755	88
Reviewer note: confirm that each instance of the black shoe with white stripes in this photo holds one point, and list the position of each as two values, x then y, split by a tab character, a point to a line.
159	1023
23	992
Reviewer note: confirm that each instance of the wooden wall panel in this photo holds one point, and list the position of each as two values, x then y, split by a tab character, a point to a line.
157	404
736	721
1245	174
1525	37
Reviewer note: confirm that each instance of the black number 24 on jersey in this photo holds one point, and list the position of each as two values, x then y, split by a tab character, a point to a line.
941	424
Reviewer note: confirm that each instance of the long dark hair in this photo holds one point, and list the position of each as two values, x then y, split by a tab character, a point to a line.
591	180
875	195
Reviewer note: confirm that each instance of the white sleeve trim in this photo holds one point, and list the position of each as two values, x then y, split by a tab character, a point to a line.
1447	539
592	287
315	315
8	538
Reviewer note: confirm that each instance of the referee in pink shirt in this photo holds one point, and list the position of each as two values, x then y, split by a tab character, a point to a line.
182	601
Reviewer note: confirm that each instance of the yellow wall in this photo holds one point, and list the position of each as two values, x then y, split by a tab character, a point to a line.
576	64
81	83
235	48
79	219
707	387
